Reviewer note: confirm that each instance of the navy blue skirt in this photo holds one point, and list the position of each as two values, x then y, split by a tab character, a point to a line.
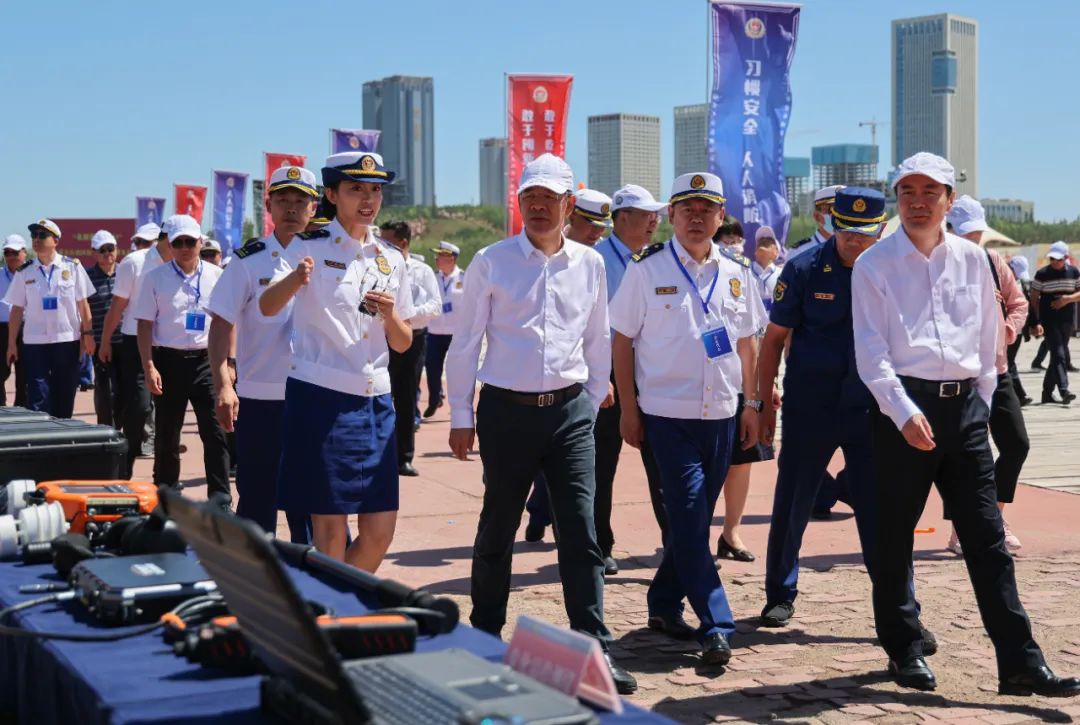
339	452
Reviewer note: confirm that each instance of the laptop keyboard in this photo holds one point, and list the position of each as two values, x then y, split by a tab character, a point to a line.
393	698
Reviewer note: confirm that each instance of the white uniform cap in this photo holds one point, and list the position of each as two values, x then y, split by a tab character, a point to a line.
633	196
700	185
548	171
208	243
148	232
1058	250
967	216
293	177
826	194
594	206
926	164
47	224
14	242
101	238
182	225
447	248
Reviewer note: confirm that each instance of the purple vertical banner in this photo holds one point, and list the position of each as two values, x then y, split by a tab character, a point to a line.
149	209
230	190
352	139
752	48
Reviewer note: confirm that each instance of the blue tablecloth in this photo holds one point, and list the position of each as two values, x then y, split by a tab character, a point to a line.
139	680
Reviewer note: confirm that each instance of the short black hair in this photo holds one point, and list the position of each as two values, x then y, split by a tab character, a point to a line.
400	229
730	225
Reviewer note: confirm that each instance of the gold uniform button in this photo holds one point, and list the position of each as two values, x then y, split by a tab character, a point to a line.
667	307
337	240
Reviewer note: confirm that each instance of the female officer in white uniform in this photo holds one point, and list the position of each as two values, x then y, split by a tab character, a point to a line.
339	455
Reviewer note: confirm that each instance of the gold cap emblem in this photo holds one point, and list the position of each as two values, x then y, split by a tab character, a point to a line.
859	206
698	182
292	174
367	164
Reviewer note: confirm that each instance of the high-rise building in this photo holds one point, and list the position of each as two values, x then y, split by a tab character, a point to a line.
934	92
403	108
1013	210
797	184
850	164
493	191
691	138
624	148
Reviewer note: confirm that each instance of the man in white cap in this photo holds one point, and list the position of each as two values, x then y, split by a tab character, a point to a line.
541	301
685	317
926	325
591	217
823	203
14	257
1054	293
211	252
50	293
107	399
172	339
145	236
451	280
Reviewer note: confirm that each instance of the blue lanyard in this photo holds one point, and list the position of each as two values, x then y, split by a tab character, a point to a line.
48	280
187	280
618	254
712	288
447	283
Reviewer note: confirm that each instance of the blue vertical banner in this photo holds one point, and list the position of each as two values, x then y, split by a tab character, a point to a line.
752	48
149	209
353	139
230	190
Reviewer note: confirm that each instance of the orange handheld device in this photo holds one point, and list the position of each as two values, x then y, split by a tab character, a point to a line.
95	503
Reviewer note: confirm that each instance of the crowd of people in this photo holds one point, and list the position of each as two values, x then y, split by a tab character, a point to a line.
303	357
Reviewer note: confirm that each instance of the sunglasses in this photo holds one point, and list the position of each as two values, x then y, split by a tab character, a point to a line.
11	252
184	243
209	253
40	235
106	249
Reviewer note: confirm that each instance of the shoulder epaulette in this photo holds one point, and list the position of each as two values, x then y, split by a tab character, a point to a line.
800	243
249	241
250	247
24	265
647	251
315	234
734	256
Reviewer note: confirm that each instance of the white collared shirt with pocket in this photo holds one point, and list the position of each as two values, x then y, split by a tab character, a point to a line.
167	295
451	292
67	281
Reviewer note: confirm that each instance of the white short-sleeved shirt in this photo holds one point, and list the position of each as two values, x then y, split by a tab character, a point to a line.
67	281
166	296
6	278
656	307
427	304
129	276
335	345
451	292
263	344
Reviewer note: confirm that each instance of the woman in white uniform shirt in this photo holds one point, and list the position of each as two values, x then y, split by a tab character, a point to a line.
339	455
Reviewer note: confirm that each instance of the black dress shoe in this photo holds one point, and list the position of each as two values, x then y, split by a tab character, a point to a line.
432	407
913	672
673	625
1036	366
929	642
1040	681
625	683
1026	400
406	469
611	567
1072	369
534	533
1049	399
777	615
716	650
1067	397
724	550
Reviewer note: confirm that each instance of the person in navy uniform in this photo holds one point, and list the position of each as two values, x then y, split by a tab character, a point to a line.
823	202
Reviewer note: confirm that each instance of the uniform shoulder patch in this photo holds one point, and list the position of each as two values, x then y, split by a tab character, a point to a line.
801	242
25	264
734	256
315	234
252	246
647	251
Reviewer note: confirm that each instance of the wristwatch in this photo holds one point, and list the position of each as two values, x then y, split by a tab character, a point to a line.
755	404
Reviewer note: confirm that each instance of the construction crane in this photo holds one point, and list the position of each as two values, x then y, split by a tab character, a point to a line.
873	124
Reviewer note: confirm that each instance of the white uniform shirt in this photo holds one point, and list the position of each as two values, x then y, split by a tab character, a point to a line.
451	292
767	278
815	241
545	319
6	278
129	278
934	318
335	345
166	296
68	283
427	304
656	308
263	344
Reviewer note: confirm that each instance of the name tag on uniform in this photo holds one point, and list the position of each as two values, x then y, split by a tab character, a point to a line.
717	343
447	307
334	263
48	303
824	296
666	290
195	321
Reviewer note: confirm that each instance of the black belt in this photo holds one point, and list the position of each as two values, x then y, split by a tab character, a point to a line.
537	400
937	388
185	354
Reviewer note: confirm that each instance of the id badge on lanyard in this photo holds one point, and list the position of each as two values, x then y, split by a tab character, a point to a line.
49	301
713	334
195	321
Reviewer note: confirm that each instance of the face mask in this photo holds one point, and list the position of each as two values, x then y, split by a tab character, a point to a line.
828	225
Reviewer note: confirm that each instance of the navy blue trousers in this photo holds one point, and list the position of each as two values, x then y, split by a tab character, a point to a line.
693	457
434	359
52	377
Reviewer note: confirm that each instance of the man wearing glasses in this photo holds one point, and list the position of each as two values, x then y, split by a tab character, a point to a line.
172	338
102	276
14	257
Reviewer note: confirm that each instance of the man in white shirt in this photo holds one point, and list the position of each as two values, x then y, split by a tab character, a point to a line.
451	280
172	339
541	301
14	257
926	325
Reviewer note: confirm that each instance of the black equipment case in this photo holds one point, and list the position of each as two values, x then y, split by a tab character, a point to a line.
48	449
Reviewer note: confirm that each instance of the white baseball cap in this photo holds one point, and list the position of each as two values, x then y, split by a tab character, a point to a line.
1019	266
148	232
633	196
967	216
14	242
208	243
101	238
1058	250
549	172
182	225
926	164
447	248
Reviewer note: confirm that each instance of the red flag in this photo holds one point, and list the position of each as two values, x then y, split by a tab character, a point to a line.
536	123
190	200
274	162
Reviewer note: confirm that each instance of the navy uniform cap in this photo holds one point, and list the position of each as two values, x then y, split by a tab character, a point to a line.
859	210
356	166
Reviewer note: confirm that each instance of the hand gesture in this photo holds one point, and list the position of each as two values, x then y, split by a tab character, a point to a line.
304	269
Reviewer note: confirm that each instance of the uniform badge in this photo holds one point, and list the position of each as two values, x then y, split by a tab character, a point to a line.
666	290
827	268
31	281
736	286
292	174
65	275
264	281
367	164
605	209
778	293
698	182
824	296
458	285
334	263
380	261
859	206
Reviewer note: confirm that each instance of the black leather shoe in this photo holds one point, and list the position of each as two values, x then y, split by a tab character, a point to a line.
673	625
724	550
1036	366
777	615
534	533
611	567
625	684
929	642
716	650
1026	400
913	672
1070	368
406	469
1049	399
1067	397
1040	681
432	407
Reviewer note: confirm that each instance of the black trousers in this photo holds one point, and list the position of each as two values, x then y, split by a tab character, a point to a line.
1014	373
1057	334
516	442
135	398
185	377
108	401
405	369
5	369
962	467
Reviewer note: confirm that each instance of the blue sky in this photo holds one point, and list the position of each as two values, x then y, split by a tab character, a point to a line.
108	100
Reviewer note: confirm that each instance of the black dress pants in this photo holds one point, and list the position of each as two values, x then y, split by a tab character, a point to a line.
405	369
5	369
108	401
1057	333
135	397
1014	373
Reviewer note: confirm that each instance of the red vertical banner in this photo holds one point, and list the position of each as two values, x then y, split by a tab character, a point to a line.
190	200
274	162
537	106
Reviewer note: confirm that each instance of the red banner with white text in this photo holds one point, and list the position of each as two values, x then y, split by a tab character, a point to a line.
190	200
536	124
274	162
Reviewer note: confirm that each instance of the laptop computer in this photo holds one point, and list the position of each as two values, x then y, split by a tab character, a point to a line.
444	686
